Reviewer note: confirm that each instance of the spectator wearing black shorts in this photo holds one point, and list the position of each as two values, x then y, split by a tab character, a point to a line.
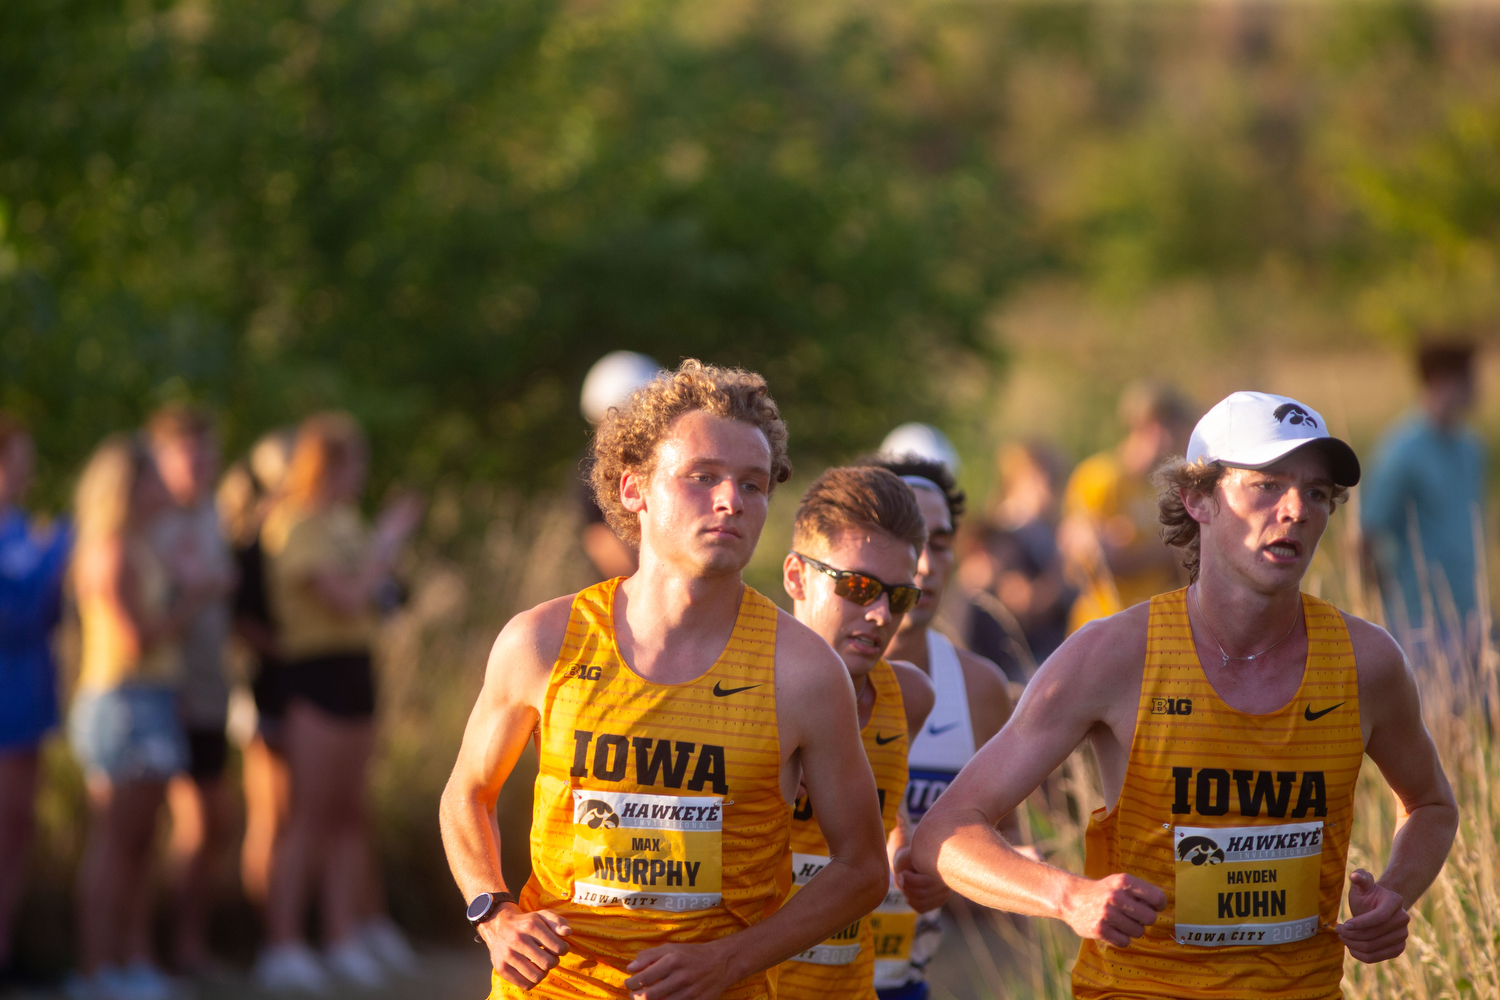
326	573
246	493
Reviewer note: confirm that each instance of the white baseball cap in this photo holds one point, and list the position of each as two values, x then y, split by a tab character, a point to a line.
1251	430
921	441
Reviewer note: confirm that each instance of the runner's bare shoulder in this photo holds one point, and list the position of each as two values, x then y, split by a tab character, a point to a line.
1100	665
1386	682
528	646
988	691
807	668
1377	655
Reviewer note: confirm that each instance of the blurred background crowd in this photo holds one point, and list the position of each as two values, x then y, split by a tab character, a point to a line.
386	241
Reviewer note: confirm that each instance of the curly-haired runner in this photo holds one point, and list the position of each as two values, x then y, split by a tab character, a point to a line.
1228	720
676	712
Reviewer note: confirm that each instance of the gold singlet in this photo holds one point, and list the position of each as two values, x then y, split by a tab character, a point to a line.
843	967
658	815
1243	820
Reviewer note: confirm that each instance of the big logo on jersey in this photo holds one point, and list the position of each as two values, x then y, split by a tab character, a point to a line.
657	761
1207	792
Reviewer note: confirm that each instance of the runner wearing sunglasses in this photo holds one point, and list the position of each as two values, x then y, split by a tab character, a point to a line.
972	704
676	713
856	530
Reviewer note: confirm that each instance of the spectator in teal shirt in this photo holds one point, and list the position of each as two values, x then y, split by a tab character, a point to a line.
1429	475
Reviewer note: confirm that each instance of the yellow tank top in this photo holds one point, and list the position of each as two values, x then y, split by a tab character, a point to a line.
105	658
1242	819
843	967
658	815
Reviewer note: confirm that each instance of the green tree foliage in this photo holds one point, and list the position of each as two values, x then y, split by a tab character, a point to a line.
438	214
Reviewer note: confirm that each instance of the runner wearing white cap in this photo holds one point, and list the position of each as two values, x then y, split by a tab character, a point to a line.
1229	720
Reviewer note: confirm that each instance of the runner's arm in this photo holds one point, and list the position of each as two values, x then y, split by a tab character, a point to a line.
523	946
1397	741
1067	698
990	709
817	716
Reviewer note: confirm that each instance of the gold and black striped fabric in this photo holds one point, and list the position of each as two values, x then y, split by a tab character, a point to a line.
835	970
658	814
1197	763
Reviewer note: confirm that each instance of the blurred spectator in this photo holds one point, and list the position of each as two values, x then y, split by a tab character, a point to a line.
1015	558
609	383
124	726
246	493
1422	512
325	575
1110	539
32	564
188	536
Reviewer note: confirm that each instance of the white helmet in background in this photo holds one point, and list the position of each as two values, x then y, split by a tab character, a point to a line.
923	441
611	381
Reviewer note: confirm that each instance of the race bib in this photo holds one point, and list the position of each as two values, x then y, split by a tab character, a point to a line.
843	947
1247	885
893	926
647	852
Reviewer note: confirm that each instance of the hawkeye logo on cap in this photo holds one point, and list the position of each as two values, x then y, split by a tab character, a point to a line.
1297	413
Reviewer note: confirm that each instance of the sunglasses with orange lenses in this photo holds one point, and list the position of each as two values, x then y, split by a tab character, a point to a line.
863	589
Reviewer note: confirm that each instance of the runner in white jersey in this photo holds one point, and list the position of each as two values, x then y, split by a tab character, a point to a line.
972	704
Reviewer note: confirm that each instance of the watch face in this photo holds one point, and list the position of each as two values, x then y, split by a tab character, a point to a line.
480	906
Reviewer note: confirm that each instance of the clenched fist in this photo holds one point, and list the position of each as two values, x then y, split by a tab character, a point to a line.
1377	929
1115	910
524	947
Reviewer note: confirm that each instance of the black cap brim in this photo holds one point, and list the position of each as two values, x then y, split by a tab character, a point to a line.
1343	464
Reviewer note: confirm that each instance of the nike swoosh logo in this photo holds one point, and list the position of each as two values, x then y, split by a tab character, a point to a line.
723	692
1311	716
940	730
888	739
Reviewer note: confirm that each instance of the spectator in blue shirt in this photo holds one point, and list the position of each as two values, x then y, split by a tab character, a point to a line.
32	564
1422	513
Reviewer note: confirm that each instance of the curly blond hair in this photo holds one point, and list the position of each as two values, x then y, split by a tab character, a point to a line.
628	435
1179	530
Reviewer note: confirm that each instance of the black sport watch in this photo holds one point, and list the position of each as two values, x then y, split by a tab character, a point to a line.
484	905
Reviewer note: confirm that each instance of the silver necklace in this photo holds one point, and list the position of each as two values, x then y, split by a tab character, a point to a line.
1194	592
